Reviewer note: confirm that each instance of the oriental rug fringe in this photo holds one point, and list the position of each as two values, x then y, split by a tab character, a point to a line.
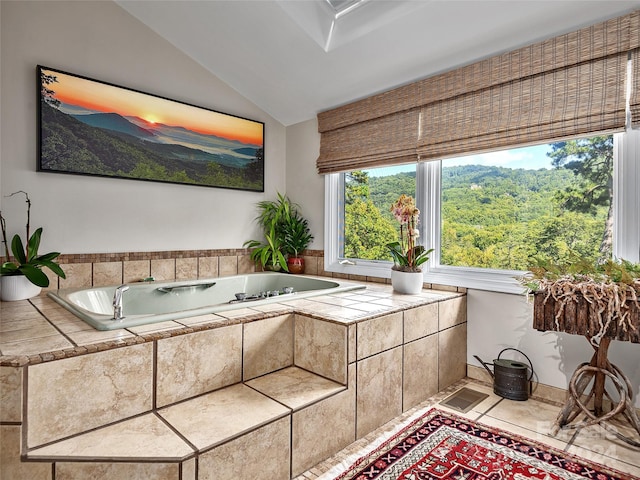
442	446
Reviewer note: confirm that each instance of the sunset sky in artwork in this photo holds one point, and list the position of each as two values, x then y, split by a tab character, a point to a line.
109	99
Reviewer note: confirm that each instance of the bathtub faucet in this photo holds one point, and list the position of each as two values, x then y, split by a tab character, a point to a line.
117	302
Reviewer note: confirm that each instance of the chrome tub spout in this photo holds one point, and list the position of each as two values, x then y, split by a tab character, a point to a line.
118	313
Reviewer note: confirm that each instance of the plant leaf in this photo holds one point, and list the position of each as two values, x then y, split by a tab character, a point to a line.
8	268
17	248
35	275
34	244
54	267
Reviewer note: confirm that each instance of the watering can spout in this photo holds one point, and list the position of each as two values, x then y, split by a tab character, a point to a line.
485	365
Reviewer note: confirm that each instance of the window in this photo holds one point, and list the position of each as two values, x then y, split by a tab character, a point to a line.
485	216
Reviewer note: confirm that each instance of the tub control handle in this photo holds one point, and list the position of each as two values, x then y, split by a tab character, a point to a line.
170	289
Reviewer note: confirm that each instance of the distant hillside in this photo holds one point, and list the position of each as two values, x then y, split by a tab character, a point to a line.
115	122
461	186
496	217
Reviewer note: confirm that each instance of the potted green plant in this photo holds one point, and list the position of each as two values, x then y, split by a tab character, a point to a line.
269	252
609	292
22	277
286	232
297	238
408	256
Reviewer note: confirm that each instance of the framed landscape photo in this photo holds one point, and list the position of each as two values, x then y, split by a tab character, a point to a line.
88	127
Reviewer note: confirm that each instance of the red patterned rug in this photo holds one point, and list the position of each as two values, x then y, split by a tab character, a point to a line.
443	446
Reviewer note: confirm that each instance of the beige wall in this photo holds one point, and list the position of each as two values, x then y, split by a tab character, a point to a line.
83	214
304	185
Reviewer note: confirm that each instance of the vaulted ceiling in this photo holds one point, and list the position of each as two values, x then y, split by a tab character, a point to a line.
295	58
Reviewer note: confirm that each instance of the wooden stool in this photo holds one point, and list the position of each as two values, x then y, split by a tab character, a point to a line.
601	369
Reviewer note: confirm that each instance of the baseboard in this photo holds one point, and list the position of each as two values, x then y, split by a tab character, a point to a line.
541	391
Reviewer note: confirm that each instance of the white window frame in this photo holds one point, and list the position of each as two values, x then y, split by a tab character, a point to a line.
626	225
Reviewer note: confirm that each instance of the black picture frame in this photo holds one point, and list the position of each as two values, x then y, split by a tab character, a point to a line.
90	127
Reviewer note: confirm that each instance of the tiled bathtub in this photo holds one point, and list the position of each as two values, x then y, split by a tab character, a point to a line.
267	391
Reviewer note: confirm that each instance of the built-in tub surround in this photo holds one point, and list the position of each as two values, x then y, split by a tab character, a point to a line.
265	391
154	302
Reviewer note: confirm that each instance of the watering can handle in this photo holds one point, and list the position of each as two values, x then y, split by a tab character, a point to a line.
521	353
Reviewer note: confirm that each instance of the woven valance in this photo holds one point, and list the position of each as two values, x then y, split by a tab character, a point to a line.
634	103
381	141
577	100
546	88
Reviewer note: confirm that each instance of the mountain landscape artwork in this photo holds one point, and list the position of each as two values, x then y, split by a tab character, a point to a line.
89	127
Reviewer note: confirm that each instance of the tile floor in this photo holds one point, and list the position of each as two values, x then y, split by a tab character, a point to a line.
531	419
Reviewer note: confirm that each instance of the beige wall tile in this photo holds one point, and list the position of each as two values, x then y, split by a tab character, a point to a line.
324	428
452	312
245	264
107	273
53	280
136	270
189	469
420	322
208	267
163	269
186	268
99	388
268	346
321	347
11	468
480	373
228	265
78	275
189	365
129	471
310	265
379	334
353	335
452	355
379	397
420	379
10	394
321	270
263	453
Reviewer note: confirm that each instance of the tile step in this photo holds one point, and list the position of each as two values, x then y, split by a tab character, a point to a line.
175	433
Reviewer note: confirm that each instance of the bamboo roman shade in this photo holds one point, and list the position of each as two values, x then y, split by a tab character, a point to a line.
372	143
634	102
569	85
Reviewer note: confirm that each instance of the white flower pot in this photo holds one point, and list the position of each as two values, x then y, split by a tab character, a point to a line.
17	287
407	282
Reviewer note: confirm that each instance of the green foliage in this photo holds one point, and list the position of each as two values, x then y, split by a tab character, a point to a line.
366	230
419	254
27	261
269	252
544	271
591	161
286	232
297	235
492	217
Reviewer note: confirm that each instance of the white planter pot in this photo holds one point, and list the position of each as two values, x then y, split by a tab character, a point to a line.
406	282
17	287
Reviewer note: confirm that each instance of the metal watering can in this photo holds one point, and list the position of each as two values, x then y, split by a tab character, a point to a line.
510	379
